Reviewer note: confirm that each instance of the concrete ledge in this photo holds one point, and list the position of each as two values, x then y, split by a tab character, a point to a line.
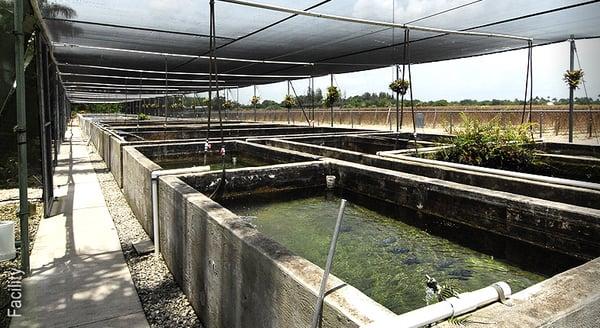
137	169
560	193
569	299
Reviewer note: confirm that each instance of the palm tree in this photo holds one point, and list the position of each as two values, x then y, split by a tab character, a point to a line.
49	10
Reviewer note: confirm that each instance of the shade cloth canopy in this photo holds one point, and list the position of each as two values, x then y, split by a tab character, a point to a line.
111	50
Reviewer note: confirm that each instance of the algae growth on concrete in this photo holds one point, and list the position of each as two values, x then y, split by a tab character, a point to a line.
383	257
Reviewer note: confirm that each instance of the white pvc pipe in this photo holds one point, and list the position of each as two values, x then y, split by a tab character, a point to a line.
452	307
154	181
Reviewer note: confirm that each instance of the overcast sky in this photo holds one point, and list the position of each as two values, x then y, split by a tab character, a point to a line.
498	76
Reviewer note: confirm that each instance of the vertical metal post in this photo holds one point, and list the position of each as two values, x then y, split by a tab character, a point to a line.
312	99
21	131
331	107
332	246
571	89
166	87
289	108
56	118
42	118
255	118
541	124
397	101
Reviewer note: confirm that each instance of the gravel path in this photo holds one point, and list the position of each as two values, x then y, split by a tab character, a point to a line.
164	303
12	195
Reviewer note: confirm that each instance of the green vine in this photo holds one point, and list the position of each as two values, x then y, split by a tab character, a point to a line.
573	78
289	101
333	96
400	86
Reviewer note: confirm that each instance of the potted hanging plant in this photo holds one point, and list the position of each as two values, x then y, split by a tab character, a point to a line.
255	100
333	95
573	78
227	104
288	102
400	86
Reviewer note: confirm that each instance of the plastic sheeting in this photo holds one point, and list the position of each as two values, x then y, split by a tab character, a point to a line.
116	44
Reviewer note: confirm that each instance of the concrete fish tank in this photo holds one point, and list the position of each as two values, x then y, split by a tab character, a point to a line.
270	228
140	162
380	255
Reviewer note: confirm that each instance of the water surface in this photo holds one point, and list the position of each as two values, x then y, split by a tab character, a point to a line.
383	257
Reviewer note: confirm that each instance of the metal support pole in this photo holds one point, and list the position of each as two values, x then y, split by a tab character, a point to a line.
255	118
21	131
166	87
397	101
312	98
56	119
321	296
42	118
288	109
571	89
331	107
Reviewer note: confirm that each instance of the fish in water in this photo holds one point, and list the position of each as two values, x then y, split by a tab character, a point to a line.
461	274
389	240
411	260
398	250
445	263
345	228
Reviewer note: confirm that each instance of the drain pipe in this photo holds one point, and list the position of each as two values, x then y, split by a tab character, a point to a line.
452	307
154	180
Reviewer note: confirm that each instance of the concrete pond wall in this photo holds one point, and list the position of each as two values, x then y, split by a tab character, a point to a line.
236	277
138	166
575	195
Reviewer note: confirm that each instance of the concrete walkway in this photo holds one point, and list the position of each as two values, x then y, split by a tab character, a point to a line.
78	274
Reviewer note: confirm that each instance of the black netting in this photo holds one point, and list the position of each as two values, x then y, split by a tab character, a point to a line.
106	47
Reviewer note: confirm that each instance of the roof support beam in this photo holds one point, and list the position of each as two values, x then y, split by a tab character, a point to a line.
119	69
167	54
132	77
373	22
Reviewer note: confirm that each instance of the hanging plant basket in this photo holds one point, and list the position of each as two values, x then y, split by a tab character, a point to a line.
333	96
400	86
573	78
289	102
227	104
255	100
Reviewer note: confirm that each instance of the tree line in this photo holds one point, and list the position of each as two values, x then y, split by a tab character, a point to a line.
366	100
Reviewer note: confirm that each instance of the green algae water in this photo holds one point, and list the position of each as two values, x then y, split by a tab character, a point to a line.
383	257
213	160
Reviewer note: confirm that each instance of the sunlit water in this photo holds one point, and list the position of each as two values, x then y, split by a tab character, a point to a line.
384	258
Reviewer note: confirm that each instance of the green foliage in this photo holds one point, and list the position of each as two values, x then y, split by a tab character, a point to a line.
369	100
491	145
400	86
333	96
573	78
99	108
288	101
142	116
